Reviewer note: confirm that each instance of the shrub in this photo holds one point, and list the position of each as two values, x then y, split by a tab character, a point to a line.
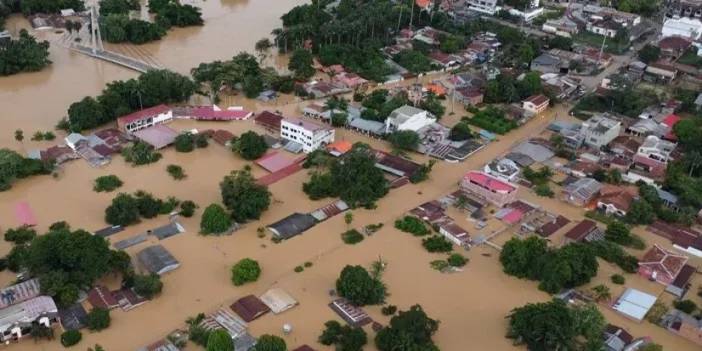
687	306
214	220
543	190
618	279
201	141
187	208
71	337
107	183
184	142
657	312
308	264
457	260
412	225
176	172
359	287
245	271
388	310
21	235
437	243
98	319
439	265
352	237
299	269
147	286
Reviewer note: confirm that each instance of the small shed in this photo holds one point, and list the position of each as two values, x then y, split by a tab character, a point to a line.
156	259
278	300
353	315
105	232
292	225
681	284
634	304
249	308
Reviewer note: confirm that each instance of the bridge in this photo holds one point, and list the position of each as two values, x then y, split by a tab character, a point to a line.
97	50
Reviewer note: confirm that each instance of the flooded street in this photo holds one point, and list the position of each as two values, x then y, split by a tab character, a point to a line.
471	305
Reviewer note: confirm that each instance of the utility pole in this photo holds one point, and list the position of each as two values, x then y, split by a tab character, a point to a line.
599	58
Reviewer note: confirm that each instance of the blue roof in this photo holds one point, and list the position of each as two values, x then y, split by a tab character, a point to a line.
487	135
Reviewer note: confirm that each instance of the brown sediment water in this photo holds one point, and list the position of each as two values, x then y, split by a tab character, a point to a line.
471	305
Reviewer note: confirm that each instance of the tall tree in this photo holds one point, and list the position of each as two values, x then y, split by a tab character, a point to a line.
243	196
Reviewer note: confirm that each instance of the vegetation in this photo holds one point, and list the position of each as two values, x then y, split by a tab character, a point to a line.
119	28
601	292
20	235
627	101
215	220
123	97
127	209
176	172
196	333
366	60
414	61
98	319
187	208
185	142
556	326
619	233
506	89
404	140
643	7
618	279
657	312
147	286
71	337
345	338
267	342
107	183
140	154
118	6
352	237
543	190
13	167
388	310
24	54
412	328
613	253
243	196
687	306
649	53
250	145
245	271
359	287
567	267
356	180
301	64
172	13
379	104
437	243
413	225
491	119
460	131
219	340
457	260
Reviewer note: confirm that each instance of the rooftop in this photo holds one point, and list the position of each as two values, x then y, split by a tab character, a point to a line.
145	113
311	126
537	100
663	261
488	182
156	259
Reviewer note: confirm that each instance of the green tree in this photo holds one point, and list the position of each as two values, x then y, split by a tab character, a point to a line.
404	140
601	293
432	104
519	257
243	196
220	340
140	154
250	145
460	132
345	338
437	243
71	337
187	208
118	6
414	61
24	54
618	232
267	342
19	135
184	142
357	285
176	172
356	180
408	330
245	271
649	53
107	183
457	260
98	319
214	220
301	64
687	306
123	211
640	212
147	286
20	235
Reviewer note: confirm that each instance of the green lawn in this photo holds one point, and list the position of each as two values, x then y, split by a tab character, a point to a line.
595	40
691	58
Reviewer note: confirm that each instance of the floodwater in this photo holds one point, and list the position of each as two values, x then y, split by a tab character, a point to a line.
471	305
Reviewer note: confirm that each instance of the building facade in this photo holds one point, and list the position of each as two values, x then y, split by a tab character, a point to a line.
145	118
489	188
600	131
310	135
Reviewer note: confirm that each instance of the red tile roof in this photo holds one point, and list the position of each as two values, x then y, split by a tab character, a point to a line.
488	182
674	43
537	100
663	261
222	136
145	113
269	120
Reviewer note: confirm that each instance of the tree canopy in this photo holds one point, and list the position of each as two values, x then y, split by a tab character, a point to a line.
245	271
408	330
29	7
214	220
219	340
24	54
148	285
404	139
243	196
301	64
267	342
345	338
250	145
357	285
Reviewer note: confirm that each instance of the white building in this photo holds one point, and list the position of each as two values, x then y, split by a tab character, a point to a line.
536	104
16	320
685	27
484	6
600	131
145	118
656	148
408	118
308	134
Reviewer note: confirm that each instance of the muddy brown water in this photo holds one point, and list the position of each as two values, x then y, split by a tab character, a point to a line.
471	305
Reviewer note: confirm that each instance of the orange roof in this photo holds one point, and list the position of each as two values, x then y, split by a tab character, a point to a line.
341	146
437	89
423	3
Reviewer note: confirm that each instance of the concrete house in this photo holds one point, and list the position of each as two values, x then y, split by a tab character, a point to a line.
408	118
661	265
145	118
489	188
654	154
600	131
536	104
310	135
581	191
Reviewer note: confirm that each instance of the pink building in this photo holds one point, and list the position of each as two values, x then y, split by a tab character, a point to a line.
661	265
489	188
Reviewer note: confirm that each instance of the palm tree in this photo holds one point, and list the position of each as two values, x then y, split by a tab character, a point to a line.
601	293
378	267
19	135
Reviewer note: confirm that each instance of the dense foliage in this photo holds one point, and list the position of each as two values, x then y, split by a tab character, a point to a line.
123	97
408	330
140	153
20	235
367	60
352	237
245	198
267	342
214	220
13	166
345	338
245	271
413	225
492	119
627	101
24	55
148	285
71	337
176	172
556	326
107	183
404	140
219	340
29	7
437	243
414	61
379	104
460	132
127	209
98	319
250	145
359	287
118	6
507	89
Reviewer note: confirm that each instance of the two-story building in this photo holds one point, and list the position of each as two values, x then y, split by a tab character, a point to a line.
145	118
489	188
408	118
600	130
536	104
310	135
654	154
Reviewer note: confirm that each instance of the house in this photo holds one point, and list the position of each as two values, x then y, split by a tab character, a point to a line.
443	59
225	319
353	315
292	225
395	165
278	300
615	338
606	27
673	47
634	304
468	96
269	121
653	155
661	265
503	168
646	127
684	325
689	28
19	292
489	188
156	259
328	211
101	297
547	63
561	26
145	118
661	72
489	7
454	233
430	212
320	89
158	136
249	308
600	130
223	137
681	283
366	126
161	345
212	113
310	135
73	317
616	200
408	118
581	191
585	231
16	321
624	146
339	147
536	104
428	35
349	80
